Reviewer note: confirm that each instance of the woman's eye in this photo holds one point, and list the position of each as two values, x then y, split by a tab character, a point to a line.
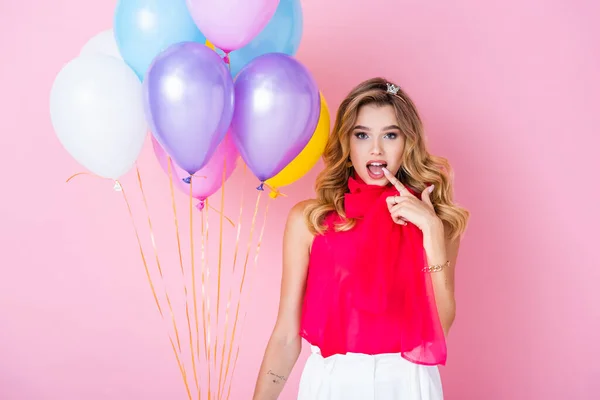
391	135
360	135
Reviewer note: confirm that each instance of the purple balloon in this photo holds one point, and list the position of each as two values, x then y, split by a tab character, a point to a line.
189	98
277	106
207	180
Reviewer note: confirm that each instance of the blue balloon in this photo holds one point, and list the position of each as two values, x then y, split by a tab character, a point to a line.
144	28
281	35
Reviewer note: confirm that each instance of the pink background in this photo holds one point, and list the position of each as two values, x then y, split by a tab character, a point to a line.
509	91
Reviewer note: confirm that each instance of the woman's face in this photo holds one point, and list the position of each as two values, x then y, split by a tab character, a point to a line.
376	142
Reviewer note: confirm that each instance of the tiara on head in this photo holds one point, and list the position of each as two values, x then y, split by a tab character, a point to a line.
393	89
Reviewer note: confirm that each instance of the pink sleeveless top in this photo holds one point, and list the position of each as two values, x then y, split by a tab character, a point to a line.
325	294
332	321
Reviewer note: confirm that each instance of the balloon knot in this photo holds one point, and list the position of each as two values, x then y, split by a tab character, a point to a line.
200	205
274	194
226	58
187	180
261	187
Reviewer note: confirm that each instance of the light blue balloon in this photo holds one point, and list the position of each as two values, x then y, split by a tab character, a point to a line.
144	28
281	35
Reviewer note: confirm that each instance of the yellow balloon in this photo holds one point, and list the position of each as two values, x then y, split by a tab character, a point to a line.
309	155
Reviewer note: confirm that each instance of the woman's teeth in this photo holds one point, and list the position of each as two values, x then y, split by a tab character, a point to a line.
376	169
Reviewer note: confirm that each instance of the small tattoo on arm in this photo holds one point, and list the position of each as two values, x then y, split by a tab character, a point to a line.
276	378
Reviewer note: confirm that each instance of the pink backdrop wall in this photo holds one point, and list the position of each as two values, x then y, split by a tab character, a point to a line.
509	91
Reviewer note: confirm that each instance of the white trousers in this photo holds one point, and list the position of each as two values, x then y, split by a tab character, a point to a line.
367	377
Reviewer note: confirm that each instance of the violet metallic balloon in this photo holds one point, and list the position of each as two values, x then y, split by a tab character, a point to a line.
207	180
277	106
189	100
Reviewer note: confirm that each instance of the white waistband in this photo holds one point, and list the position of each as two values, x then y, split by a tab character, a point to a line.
315	350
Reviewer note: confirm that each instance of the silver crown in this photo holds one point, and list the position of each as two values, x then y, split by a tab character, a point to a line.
393	89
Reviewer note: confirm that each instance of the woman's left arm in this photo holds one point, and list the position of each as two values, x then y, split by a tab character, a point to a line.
442	251
439	249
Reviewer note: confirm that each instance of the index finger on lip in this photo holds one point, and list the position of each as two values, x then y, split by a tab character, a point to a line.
394	181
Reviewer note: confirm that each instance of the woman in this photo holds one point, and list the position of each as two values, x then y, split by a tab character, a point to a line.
368	266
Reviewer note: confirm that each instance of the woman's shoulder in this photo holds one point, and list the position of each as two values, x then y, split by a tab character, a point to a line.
303	210
313	216
297	223
302	206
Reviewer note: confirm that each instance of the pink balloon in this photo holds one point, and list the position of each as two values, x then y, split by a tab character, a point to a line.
231	24
208	179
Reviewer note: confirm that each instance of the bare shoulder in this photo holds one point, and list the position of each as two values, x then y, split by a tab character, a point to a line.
298	210
296	226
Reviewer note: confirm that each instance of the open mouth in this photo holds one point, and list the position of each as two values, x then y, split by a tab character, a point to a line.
375	169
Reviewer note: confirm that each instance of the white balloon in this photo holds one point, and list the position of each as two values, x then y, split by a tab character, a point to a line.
102	43
97	111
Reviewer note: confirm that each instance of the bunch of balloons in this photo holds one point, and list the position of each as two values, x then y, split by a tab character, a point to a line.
211	80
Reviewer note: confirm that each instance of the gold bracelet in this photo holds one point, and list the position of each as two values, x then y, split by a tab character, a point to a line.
436	268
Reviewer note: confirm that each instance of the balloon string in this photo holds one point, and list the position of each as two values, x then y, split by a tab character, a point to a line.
152	288
83	173
220	262
274	192
237	353
187	312
206	294
235	255
258	245
237	311
224	216
213	208
193	289
119	187
227	218
153	240
154	246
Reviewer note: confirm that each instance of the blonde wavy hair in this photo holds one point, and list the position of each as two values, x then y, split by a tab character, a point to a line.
419	168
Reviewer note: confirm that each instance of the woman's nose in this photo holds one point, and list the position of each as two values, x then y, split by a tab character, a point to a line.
376	149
